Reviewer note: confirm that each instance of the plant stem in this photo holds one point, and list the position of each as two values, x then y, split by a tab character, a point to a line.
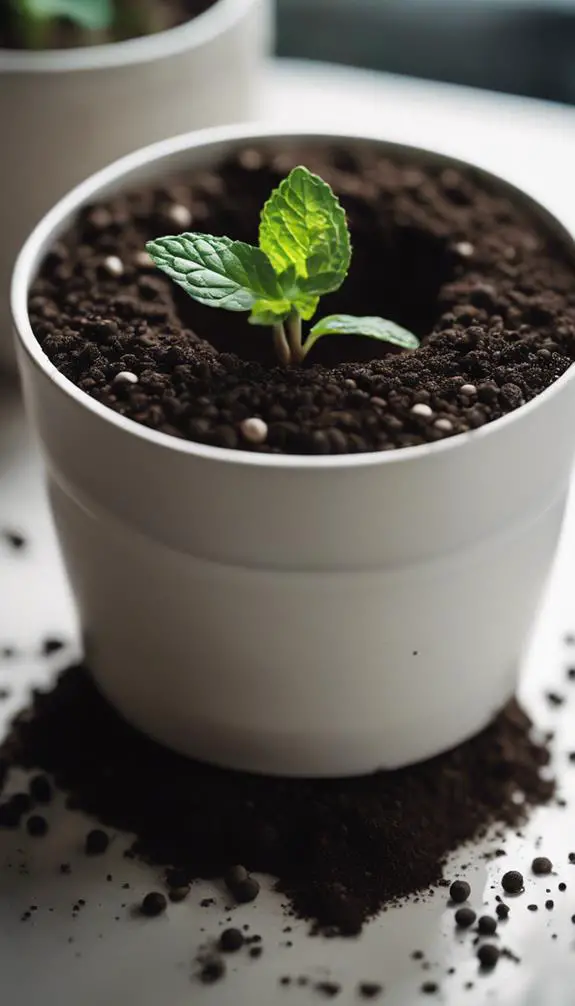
294	337
281	345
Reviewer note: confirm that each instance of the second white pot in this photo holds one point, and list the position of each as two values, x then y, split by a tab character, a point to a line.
65	114
305	616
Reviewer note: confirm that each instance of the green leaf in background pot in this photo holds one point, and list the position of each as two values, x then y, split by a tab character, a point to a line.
303	225
371	328
217	271
92	15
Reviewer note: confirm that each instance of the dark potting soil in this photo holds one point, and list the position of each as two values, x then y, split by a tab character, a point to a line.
340	849
64	35
488	289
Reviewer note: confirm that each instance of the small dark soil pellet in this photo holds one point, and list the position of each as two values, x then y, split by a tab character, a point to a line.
549	904
332	835
37	826
459	891
532	908
14	539
213	970
328	989
41	789
487	925
370	990
179	894
52	645
154	904
541	866
7	652
488	955
234	876
562	886
231	940
497	316
512	882
554	699
430	988
96	843
246	891
502	911
256	952
285	980
465	917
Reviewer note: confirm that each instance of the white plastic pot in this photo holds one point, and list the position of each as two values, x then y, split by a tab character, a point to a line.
296	615
65	114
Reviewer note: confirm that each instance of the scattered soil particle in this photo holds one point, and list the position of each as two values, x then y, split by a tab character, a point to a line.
486	925
502	912
246	891
512	882
430	988
329	836
328	989
484	284
465	917
554	699
96	843
14	539
488	955
532	908
52	645
213	970
231	940
562	886
549	905
153	904
37	826
541	866
370	990
459	891
179	894
256	952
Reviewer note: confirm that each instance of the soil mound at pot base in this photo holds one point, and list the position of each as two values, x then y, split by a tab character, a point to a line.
485	285
341	850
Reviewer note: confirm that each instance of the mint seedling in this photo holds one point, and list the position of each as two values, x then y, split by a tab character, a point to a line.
304	252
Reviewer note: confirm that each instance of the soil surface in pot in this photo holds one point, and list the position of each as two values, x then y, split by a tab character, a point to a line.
163	15
341	849
486	286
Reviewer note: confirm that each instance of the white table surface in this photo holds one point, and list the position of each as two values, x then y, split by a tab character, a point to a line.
150	962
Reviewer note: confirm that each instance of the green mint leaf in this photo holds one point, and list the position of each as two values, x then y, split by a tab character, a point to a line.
92	15
305	304
217	271
303	226
372	328
269	312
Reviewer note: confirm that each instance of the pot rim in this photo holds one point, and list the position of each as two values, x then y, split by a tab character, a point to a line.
55	220
193	34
